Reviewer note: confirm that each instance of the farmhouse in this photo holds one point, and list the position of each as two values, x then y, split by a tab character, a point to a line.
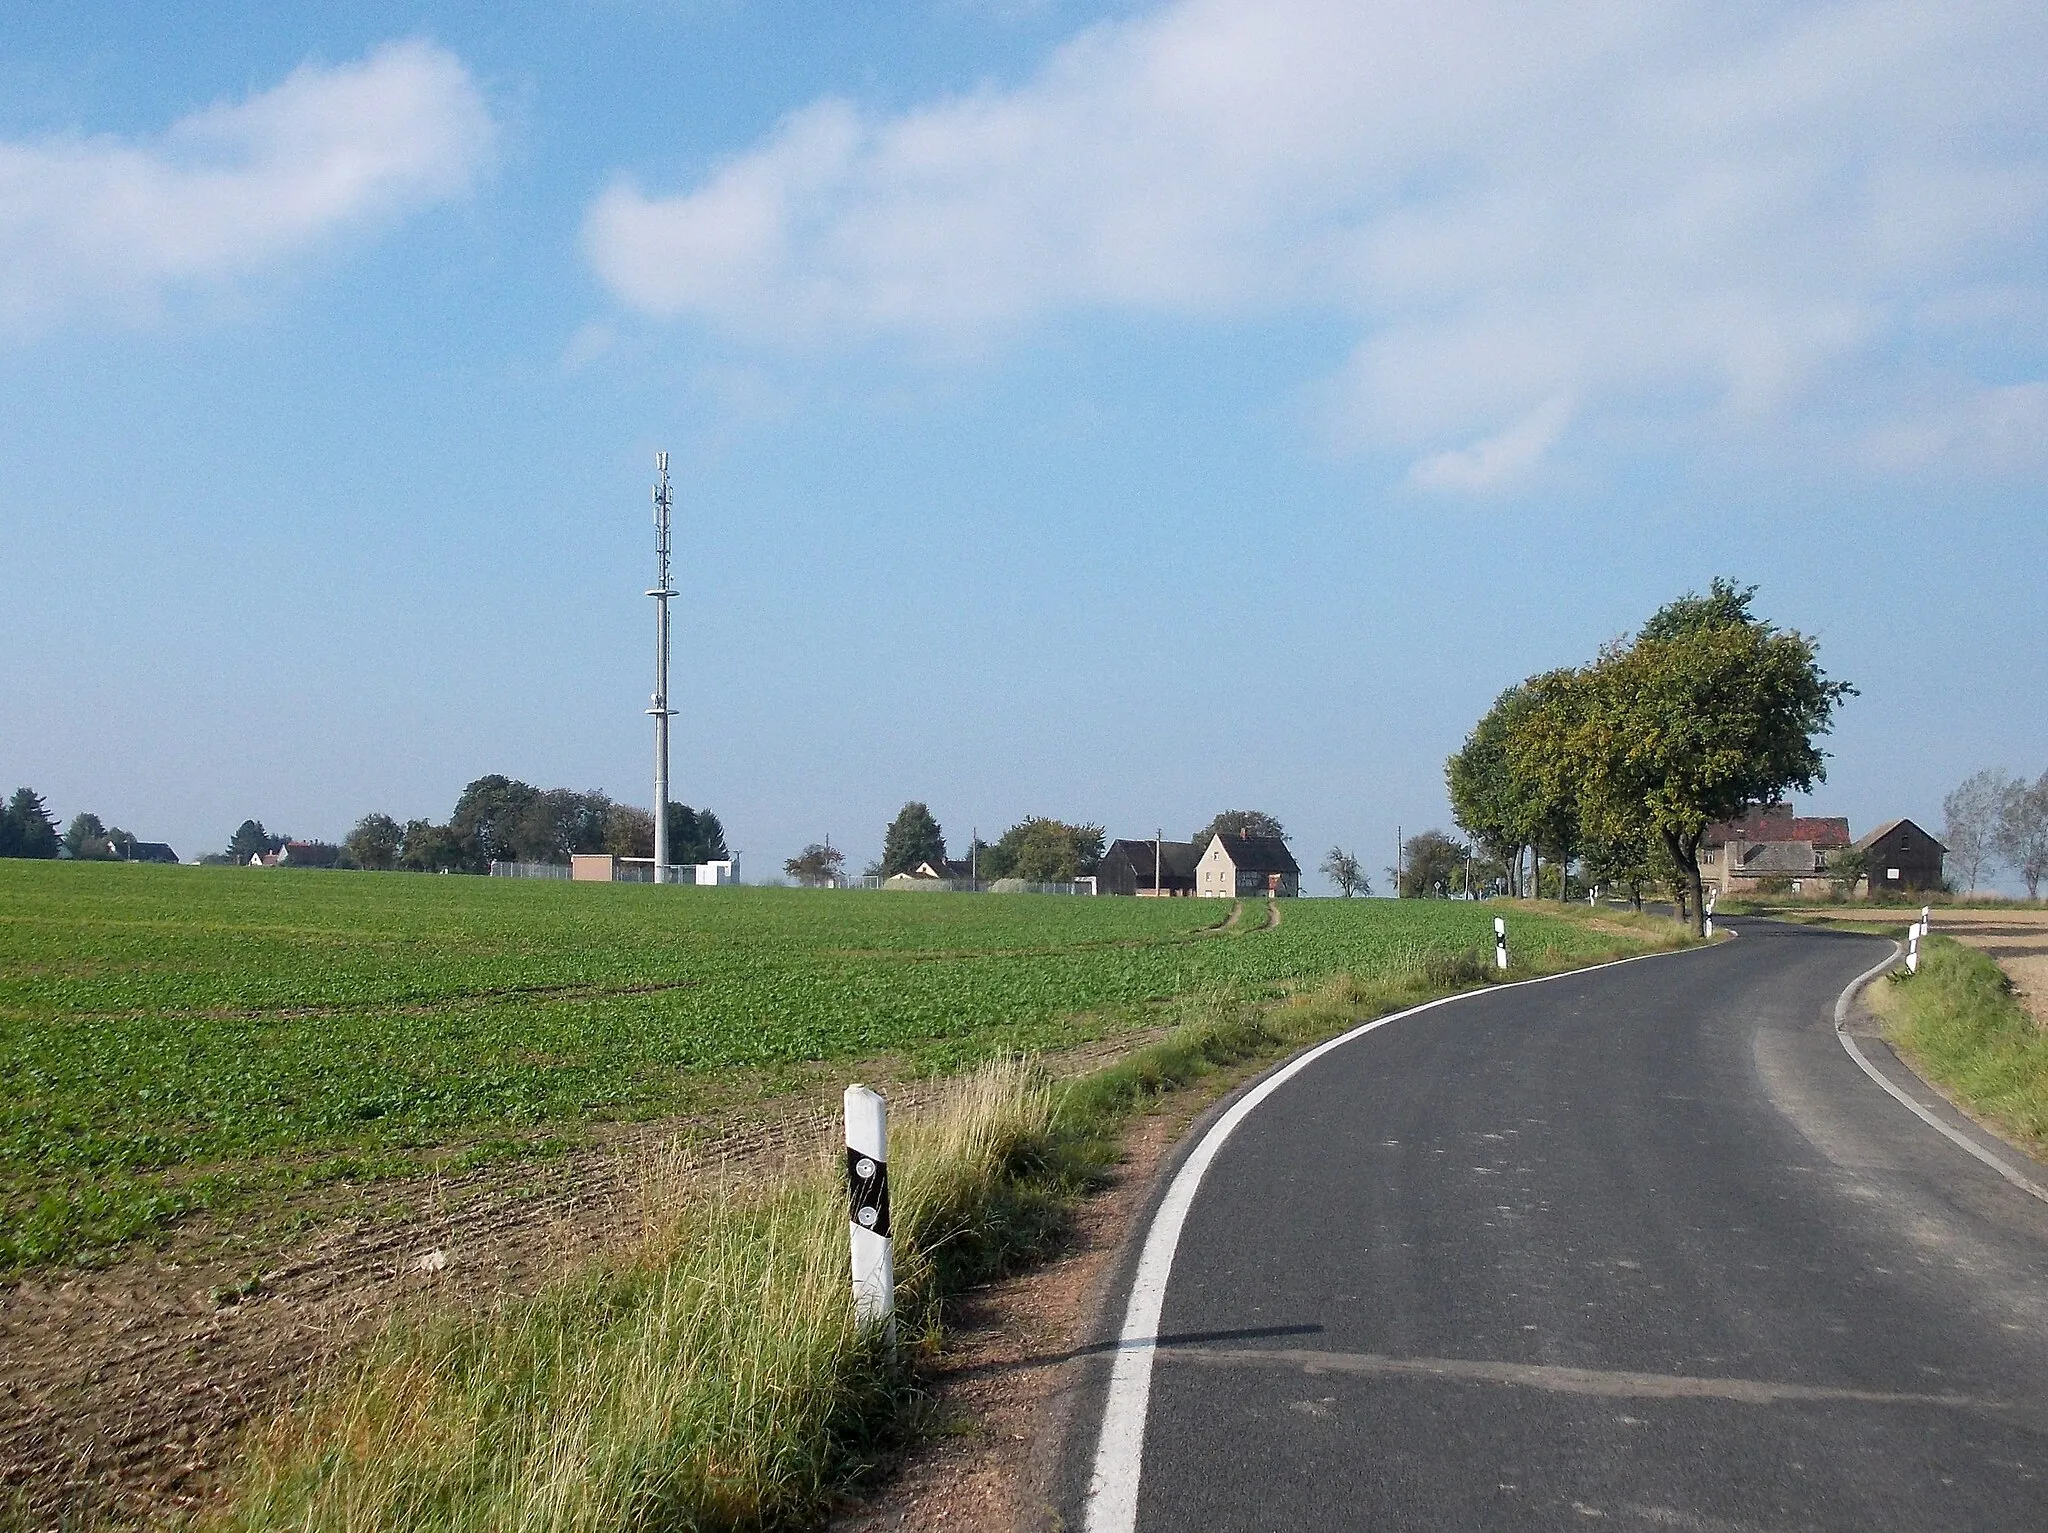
1770	842
1901	856
1241	865
1129	867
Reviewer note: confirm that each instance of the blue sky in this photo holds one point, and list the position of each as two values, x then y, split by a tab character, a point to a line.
1117	412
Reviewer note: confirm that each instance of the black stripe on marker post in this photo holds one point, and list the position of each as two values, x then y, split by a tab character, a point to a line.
867	1186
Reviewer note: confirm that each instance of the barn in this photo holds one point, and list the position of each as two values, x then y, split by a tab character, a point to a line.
1128	867
1900	857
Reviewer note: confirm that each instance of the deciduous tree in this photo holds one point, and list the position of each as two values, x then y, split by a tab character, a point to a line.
431	848
817	865
2022	839
1346	872
1970	816
1432	865
86	836
1239	822
376	842
1042	850
1708	711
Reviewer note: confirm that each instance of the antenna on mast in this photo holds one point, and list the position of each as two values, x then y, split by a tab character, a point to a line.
661	711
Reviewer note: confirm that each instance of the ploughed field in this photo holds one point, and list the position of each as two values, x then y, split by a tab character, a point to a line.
176	1038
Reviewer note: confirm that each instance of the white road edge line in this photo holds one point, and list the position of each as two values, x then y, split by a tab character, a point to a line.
2025	1183
1119	1453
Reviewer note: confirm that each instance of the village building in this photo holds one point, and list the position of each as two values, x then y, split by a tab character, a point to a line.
1235	866
1149	868
1899	856
1770	842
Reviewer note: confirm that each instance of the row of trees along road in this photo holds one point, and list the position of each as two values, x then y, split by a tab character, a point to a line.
499	819
1037	849
1993	821
1625	762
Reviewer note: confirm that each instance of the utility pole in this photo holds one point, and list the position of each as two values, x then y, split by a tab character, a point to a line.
1397	862
1158	844
661	711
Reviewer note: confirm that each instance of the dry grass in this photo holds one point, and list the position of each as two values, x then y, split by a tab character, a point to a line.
711	1374
1960	1024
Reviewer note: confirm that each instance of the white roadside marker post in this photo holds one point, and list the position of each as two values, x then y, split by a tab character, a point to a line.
1912	950
867	1185
1926	919
1500	944
1712	895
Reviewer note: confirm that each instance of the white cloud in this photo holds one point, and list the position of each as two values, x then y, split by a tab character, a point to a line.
1698	209
1500	459
102	224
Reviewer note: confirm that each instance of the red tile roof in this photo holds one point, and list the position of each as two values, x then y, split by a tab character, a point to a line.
1777	822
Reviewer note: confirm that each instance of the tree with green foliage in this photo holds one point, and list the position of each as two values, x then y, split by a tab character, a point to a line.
488	818
1619	859
695	835
1239	822
26	829
1493	798
86	837
1433	866
1345	871
628	831
1708	711
251	840
1042	850
375	843
913	837
817	866
431	848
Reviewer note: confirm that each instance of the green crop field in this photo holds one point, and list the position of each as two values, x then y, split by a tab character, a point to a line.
172	1037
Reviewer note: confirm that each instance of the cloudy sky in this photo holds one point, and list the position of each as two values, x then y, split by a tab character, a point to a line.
1119	412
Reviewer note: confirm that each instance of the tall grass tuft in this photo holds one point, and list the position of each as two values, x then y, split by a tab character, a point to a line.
1960	1023
712	1377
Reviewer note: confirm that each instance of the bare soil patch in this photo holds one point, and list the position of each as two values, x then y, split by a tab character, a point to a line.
2016	936
123	1389
1003	1388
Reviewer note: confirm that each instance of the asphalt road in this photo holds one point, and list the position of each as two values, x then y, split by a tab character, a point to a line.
1639	1248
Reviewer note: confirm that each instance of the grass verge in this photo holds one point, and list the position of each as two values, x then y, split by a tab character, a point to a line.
711	1376
1959	1024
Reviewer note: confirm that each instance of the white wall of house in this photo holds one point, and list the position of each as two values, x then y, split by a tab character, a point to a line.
1216	874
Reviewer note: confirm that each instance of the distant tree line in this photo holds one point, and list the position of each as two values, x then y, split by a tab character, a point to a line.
1625	762
28	830
1037	849
500	819
1993	821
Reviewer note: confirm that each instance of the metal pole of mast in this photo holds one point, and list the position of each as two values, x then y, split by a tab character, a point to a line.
661	710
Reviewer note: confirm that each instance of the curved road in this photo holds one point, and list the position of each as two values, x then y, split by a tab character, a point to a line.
1636	1248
